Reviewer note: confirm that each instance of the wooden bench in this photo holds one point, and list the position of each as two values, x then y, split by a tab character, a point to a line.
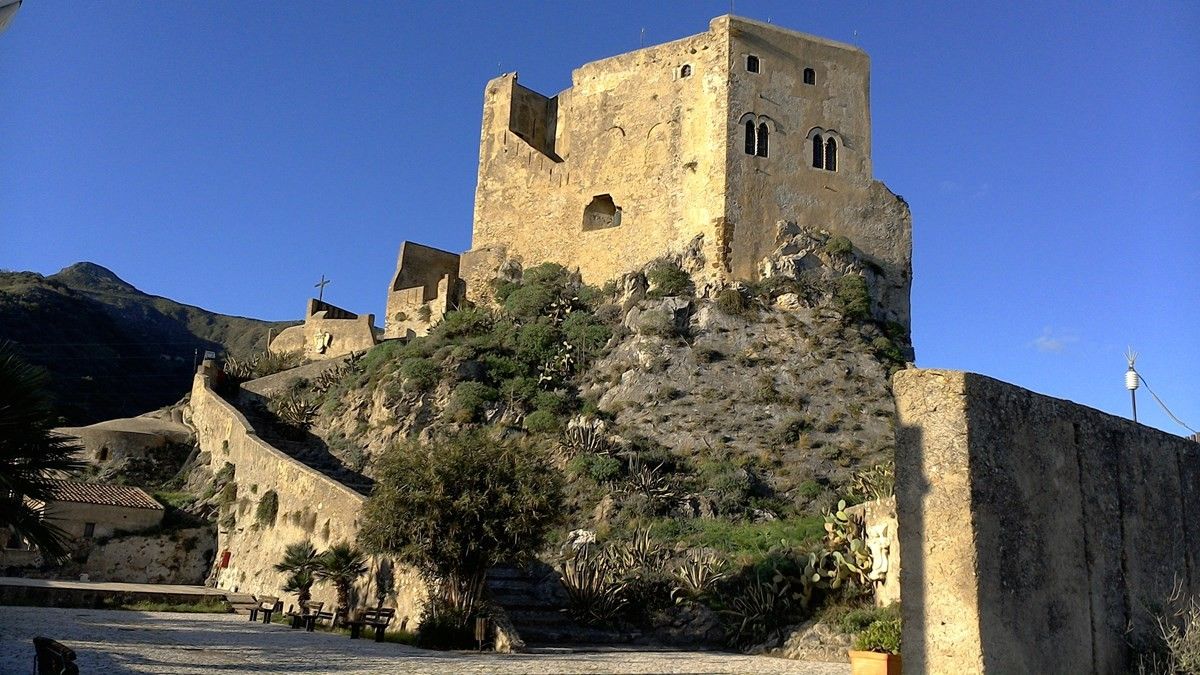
306	614
335	618
377	618
53	658
268	605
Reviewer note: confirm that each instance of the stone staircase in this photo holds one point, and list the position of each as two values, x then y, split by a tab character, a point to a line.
536	605
311	451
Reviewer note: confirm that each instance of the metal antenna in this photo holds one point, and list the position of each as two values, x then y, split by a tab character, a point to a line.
642	38
1131	379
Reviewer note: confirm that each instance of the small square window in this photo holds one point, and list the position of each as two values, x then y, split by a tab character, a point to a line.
685	71
752	63
810	76
89	530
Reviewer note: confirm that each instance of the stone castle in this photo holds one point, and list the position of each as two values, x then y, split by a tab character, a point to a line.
710	140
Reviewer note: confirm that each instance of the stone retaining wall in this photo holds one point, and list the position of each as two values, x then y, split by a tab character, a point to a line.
1039	535
311	506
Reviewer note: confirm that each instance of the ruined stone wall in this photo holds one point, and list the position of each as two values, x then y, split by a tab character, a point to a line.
312	507
1038	534
425	286
631	127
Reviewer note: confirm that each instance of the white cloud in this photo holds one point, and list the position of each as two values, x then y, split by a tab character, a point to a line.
1053	341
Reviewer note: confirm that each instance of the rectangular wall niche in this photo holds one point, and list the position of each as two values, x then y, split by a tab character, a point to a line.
601	213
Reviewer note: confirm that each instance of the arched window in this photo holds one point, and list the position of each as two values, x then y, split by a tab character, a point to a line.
751	142
685	71
762	140
831	155
752	64
810	76
818	152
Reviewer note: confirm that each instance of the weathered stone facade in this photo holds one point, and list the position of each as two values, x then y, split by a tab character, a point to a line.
426	286
717	136
311	507
328	332
1038	534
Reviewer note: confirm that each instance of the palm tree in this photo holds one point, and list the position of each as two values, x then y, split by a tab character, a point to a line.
300	582
300	564
342	564
30	452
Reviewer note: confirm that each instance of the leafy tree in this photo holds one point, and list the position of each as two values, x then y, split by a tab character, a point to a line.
458	506
342	564
29	453
300	564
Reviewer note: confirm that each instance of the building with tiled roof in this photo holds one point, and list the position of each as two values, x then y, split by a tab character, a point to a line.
102	494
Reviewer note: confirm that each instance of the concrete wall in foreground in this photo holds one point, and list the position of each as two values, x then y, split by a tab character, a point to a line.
312	507
1036	532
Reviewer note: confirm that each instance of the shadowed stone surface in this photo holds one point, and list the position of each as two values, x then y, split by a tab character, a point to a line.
1037	533
165	642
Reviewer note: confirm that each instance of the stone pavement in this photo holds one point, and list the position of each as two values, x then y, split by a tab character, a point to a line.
151	589
113	641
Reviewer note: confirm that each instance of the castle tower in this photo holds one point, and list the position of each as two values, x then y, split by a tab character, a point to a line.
713	137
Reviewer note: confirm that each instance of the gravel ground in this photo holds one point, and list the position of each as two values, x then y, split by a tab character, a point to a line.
166	642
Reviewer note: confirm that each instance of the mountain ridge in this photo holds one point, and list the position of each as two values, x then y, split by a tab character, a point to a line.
111	349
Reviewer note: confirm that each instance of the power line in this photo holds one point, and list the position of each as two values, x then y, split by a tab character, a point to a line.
1164	405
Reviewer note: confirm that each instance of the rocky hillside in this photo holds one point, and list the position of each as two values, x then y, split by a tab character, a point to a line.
112	350
753	402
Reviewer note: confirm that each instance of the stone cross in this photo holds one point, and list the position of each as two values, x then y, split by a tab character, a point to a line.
320	286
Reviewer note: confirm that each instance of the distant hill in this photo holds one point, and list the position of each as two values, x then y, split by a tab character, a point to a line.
112	350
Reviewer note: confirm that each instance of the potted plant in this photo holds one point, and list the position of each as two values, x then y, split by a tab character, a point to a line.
877	649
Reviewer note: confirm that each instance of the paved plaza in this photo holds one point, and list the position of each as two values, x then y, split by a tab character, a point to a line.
112	641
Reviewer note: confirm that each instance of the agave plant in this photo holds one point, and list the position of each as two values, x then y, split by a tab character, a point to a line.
649	481
587	434
877	482
594	592
294	410
698	574
641	553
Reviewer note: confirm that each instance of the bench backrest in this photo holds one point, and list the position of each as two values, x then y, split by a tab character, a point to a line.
54	658
310	607
383	615
268	602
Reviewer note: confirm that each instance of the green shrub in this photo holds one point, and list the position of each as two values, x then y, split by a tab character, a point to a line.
666	279
550	402
468	400
839	246
741	538
267	510
880	636
520	389
444	627
853	297
538	343
464	323
791	429
658	322
600	468
733	302
586	334
457	505
810	489
541	421
886	350
419	374
857	620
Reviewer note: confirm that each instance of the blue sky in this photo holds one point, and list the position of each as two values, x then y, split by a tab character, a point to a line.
226	154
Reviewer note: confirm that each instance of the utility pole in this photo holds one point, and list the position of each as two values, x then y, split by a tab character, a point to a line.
1131	379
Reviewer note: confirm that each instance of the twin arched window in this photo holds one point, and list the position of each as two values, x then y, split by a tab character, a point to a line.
757	138
824	153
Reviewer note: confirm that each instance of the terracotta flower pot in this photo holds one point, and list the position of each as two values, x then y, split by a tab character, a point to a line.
874	663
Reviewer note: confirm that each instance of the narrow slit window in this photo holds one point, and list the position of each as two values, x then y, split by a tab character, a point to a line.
818	152
685	71
751	139
810	76
89	530
761	150
752	64
831	155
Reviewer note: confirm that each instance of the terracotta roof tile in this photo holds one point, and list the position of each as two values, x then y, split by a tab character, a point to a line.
101	493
